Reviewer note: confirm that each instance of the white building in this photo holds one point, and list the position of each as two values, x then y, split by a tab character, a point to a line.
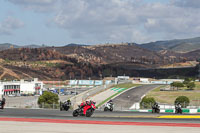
21	87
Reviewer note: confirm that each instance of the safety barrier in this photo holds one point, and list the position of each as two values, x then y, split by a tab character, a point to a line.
185	110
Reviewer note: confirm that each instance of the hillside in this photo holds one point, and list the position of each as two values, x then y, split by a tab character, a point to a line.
5	46
96	61
113	53
178	45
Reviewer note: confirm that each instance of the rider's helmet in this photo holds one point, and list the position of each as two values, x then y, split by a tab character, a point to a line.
87	102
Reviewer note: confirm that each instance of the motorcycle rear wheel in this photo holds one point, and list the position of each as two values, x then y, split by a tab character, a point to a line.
89	113
158	111
66	108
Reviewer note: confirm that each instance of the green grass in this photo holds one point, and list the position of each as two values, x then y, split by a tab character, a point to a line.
170	96
158	88
125	86
197	87
108	99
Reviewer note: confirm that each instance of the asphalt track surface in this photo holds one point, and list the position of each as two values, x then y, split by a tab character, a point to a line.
55	121
132	96
97	116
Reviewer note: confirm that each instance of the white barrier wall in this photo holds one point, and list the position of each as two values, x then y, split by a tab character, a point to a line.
73	82
98	82
88	82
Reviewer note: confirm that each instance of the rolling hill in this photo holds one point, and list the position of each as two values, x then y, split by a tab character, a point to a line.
94	61
178	45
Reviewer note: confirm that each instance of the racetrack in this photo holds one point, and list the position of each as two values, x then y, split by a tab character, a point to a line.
97	116
128	98
55	121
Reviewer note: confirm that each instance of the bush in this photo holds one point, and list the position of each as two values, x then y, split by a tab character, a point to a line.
48	98
191	85
183	100
147	102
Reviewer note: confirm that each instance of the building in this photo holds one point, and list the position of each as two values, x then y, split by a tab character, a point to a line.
21	87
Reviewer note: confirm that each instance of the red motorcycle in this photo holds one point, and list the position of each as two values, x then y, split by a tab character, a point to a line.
85	109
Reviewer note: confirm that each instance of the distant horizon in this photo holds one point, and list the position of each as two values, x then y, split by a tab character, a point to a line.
97	44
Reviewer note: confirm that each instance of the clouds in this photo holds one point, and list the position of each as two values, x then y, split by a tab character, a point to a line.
124	20
36	5
8	25
100	21
187	3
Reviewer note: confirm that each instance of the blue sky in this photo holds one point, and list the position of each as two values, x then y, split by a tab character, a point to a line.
60	22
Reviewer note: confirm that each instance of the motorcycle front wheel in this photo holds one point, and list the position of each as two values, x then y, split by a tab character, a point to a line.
106	109
75	113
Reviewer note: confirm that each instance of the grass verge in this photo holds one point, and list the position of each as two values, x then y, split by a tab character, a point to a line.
125	86
169	97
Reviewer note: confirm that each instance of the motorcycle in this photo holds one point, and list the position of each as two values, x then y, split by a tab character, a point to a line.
178	109
87	110
108	106
2	103
155	109
65	106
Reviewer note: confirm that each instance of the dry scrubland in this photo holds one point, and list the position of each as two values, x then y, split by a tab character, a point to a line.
169	97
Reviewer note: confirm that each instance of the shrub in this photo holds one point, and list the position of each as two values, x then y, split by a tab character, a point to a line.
48	98
147	102
183	100
191	85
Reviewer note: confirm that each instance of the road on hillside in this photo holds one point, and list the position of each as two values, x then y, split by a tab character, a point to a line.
128	98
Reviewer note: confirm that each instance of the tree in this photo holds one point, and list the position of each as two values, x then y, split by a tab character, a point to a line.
48	98
177	85
187	80
183	100
191	85
147	102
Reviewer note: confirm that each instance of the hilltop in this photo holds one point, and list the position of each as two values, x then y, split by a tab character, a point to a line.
177	45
